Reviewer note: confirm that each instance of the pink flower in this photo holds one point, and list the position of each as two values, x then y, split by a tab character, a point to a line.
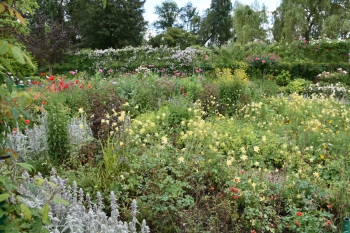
263	61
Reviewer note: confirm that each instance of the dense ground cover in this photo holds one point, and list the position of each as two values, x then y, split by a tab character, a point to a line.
214	152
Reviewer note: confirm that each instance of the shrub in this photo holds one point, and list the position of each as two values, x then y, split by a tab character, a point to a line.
283	79
295	86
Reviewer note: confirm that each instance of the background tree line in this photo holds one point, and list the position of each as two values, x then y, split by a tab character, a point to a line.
57	26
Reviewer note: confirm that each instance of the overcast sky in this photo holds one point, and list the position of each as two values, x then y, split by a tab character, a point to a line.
201	6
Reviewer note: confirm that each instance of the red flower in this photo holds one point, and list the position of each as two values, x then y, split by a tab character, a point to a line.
236	197
329	206
211	188
236	190
43	103
328	223
252	231
51	78
81	86
243	172
154	171
43	74
35	82
26	121
89	86
66	86
61	83
299	214
14	130
77	81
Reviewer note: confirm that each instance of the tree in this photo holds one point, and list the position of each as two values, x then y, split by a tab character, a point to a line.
188	15
174	37
248	23
337	24
168	13
118	25
216	26
294	18
48	43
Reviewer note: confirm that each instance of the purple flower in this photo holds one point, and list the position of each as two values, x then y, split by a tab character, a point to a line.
100	70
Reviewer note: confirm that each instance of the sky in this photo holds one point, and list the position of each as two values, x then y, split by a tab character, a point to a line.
201	6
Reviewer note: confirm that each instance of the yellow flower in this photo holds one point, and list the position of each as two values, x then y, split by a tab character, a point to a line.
181	159
81	126
122	177
256	164
244	157
108	116
243	150
229	162
264	139
322	156
298	196
253	185
81	110
103	121
316	175
121	143
256	149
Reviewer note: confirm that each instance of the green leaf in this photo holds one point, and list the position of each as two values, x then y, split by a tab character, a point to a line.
39	181
45	217
15	113
6	64
28	60
17	54
8	83
26	212
25	114
4	47
59	200
27	167
104	3
4	196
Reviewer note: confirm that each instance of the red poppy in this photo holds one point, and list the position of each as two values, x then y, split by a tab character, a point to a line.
77	81
252	231
51	78
89	86
236	197
44	103
81	86
43	74
35	82
61	79
66	86
236	190
26	121
243	172
329	206
299	214
61	83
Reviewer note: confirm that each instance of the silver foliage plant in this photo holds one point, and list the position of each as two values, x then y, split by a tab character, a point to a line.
33	142
72	211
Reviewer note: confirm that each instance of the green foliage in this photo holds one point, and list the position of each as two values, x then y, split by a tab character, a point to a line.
296	86
283	79
58	138
17	216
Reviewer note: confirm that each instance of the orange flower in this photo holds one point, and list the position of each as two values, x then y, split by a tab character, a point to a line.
89	86
26	121
44	103
299	214
329	206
